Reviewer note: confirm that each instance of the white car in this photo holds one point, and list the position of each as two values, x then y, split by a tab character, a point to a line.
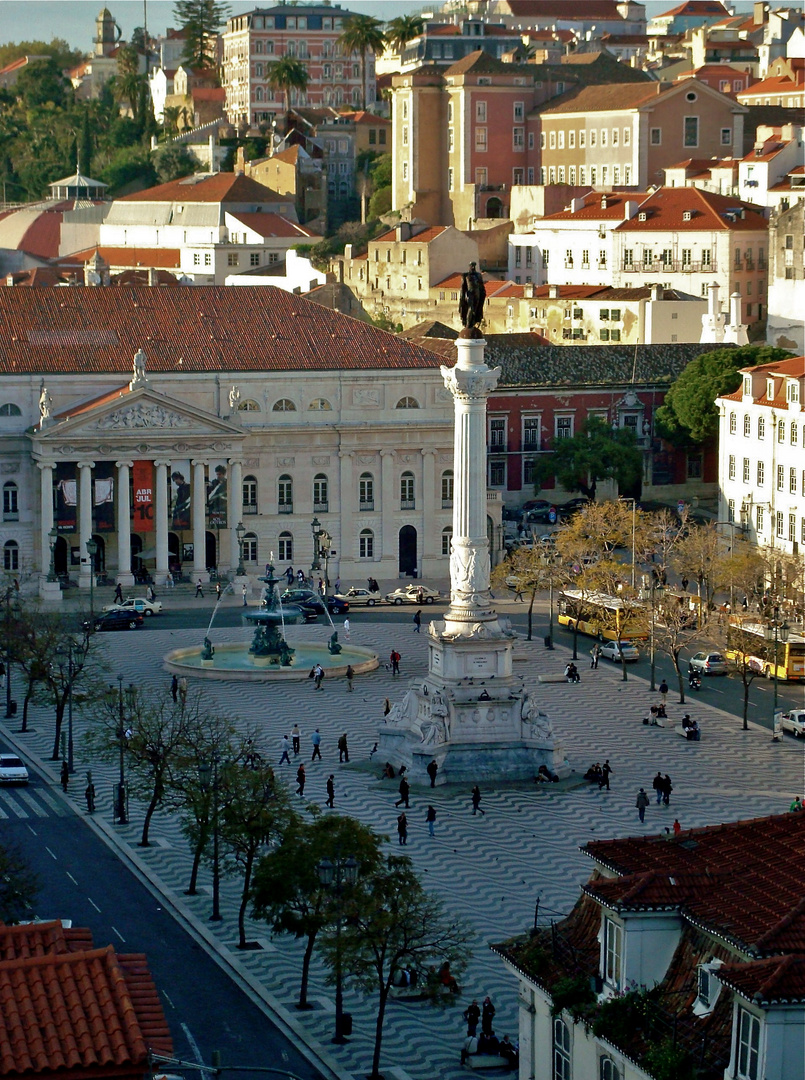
630	651
359	597
137	603
12	770
794	722
413	594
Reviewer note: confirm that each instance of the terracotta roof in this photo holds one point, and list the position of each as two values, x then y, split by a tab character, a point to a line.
776	981
40	277
452	281
592	210
37	939
272	225
483	63
666	207
424	236
193	329
159	258
606	98
140	277
431	329
792	366
778	84
216	188
557	9
208	93
527	361
697	7
363	117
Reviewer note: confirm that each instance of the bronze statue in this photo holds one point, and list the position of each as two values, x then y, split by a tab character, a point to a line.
332	645
473	295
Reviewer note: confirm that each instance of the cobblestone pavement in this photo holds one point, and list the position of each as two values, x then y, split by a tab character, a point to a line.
490	869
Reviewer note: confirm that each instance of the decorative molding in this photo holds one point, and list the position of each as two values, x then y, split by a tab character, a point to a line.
325	460
69	451
443	395
250	463
366	459
8	468
142	416
473	385
286	461
366	397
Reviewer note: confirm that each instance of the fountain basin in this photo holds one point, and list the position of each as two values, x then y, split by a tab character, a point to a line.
233	661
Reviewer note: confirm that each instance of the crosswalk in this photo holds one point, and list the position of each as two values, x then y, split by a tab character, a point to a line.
20	803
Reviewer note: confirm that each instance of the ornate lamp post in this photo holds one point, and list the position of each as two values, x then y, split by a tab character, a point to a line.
336	875
208	778
776	632
316	529
123	733
52	537
324	551
68	652
240	532
92	551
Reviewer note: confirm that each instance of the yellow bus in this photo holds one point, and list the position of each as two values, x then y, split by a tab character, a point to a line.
746	643
605	617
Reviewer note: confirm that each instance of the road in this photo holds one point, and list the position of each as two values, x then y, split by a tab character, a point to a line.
84	880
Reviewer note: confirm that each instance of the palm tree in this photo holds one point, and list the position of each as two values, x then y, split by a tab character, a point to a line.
362	34
403	29
288	74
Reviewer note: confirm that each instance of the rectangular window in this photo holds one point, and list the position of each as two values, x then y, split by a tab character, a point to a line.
732	467
691	131
519	111
592	136
518	138
694	466
561	140
604	137
196	258
792	527
792	481
706	259
627	136
552	140
781	431
480	112
726	136
760	519
449	179
497	432
604	334
232	258
254	258
613	951
780	523
582	139
481	177
531	433
746	470
564	427
761	473
781	477
615	134
405	135
571	140
480	140
761	427
655	137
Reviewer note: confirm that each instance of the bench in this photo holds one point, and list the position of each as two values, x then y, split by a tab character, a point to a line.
552	678
684	733
486	1061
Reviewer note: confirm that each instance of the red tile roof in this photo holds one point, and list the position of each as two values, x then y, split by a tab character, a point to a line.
208	93
777	981
607	97
162	258
424	236
272	225
191	329
666	207
217	188
592	210
560	9
697	7
778	84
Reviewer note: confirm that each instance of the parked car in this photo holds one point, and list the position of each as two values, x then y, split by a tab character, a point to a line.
535	504
115	620
12	770
610	651
137	603
708	663
311	604
794	722
413	594
360	597
572	507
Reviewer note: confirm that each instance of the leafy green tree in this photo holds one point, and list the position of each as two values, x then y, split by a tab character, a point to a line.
689	413
57	49
128	82
362	34
85	144
596	453
18	886
403	29
392	925
200	19
42	83
287	74
287	891
174	162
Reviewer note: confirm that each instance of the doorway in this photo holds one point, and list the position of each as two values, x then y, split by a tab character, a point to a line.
408	561
60	556
210	551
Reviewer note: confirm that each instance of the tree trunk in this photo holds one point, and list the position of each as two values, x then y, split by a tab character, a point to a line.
191	888
375	1074
675	658
244	900
746	701
29	693
154	803
530	614
576	639
311	941
60	704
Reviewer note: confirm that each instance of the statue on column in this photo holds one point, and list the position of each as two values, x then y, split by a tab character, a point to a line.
473	295
45	405
139	370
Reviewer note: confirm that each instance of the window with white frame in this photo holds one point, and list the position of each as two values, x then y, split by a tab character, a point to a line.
497	432
761	427
447	489
792	527
249	494
733	423
480	112
285	547
781	477
250	547
480	140
11	507
563	427
794	436
285	494
780	524
781	431
608	1070
760	519
761	473
531	432
792	481
366	491
407	491
747	425
447	536
732	467
366	544
582	139
746	470
497	472
320	494
690	131
748	1056
561	1050
11	555
793	392
518	111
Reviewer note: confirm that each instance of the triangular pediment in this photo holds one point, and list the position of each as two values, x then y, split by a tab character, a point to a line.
132	415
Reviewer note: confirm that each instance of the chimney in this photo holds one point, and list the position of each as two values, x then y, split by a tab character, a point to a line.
656	292
735	309
213	167
400	233
629	209
347	252
712	300
758	13
528	290
576	205
240	161
553	292
603	202
152	277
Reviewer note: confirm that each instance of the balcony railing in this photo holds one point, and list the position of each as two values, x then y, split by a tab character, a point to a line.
407	504
675	266
366	504
285	508
321	507
250	508
447	504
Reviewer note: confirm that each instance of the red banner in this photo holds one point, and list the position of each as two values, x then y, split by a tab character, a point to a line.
143	504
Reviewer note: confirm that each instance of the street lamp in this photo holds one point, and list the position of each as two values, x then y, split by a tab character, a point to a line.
335	875
52	537
550	560
11	706
776	632
92	551
69	653
208	770
123	733
240	532
316	529
324	550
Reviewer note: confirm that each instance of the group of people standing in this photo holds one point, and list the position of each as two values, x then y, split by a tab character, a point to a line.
662	787
487	1042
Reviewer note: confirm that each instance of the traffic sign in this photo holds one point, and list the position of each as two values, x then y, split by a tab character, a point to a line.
680	507
552	515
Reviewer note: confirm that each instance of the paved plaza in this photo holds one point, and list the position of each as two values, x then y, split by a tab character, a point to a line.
490	869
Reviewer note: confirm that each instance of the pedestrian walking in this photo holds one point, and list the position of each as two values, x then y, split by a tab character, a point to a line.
595	654
663	688
296	735
476	801
606	770
487	1016
285	745
89	795
315	738
118	594
199	589
350	677
300	780
402	829
430	817
343	749
641	804
684	583
318	675
330	791
405	790
338	586
417	621
174	688
386	707
518	592
432	770
667	788
346	629
394	660
183	690
217	591
472	1014
657	784
321	587
244	592
64	776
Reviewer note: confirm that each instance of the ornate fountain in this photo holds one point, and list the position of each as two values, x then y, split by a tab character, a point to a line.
268	644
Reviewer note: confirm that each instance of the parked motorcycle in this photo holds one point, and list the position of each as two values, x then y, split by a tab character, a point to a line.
694	680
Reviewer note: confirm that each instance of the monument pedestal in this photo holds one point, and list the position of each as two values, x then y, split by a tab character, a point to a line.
50	591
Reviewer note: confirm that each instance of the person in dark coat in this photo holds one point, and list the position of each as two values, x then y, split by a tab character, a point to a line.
175	688
667	788
476	801
64	776
487	1016
432	770
657	784
330	791
606	770
402	829
300	780
472	1014
430	818
405	790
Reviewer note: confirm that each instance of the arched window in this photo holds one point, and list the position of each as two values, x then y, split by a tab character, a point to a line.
407	403
11	507
561	1050
328	96
356	95
447	536
258	46
248	406
447	489
285	494
249	494
250	547
608	1070
366	544
366	491
11	555
10	409
320	500
285	547
781	431
258	94
319	405
407	491
284	405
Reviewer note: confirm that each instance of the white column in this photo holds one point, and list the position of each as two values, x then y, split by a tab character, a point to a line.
234	511
430	538
389	501
347	547
161	484
85	520
124	574
46	514
199	522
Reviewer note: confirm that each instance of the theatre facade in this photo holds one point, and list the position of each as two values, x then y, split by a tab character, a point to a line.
153	431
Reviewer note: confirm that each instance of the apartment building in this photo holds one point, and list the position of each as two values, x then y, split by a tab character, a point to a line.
786	296
443	43
772	173
710	174
627	134
686	16
581	16
256	39
761	439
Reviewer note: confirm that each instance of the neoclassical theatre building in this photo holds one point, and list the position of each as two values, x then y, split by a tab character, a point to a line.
155	421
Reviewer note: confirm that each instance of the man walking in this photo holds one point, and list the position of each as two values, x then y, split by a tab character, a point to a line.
64	776
657	784
89	795
595	654
330	791
350	673
432	770
430	817
296	735
404	793
663	688
118	594
402	829
315	738
606	769
641	804
476	801
667	788
175	688
285	744
217	591
300	780
346	629
417	621
472	1015
199	589
394	660
244	592
183	690
318	675
343	749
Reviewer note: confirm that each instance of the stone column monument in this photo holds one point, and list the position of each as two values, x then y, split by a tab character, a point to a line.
470	712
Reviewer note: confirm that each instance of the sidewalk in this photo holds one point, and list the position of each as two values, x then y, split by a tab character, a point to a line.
491	869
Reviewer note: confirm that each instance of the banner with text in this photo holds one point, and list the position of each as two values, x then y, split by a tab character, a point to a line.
142	475
180	494
217	495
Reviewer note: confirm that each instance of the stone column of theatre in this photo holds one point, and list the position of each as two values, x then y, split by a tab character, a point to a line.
124	574
234	510
199	522
45	514
85	521
161	520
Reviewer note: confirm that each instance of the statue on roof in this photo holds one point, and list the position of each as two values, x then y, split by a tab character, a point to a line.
234	399
471	303
45	405
140	377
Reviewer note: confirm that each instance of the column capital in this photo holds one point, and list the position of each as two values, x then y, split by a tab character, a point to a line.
346	454
124	464
199	462
388	453
428	453
159	462
45	465
86	464
234	461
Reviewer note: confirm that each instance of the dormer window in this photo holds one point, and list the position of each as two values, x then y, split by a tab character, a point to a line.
642	216
770	389
687	215
747	386
708	987
613	954
793	392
